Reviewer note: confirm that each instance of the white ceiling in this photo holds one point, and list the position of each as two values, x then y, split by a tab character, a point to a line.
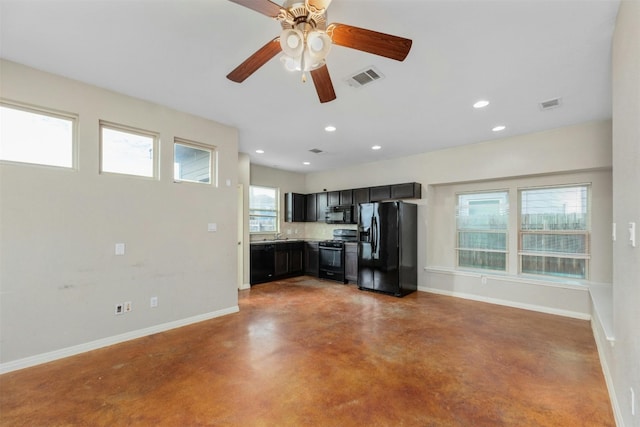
514	53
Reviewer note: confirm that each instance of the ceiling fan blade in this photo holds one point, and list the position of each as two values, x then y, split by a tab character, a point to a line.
319	4
386	45
264	7
322	81
255	61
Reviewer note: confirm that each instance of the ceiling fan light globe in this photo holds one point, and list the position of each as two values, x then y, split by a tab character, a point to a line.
292	42
318	46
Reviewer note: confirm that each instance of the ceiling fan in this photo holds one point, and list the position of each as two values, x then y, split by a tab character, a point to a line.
306	39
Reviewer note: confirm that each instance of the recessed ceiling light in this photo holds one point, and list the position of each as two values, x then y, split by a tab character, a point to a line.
306	163
499	128
260	151
330	128
481	104
376	147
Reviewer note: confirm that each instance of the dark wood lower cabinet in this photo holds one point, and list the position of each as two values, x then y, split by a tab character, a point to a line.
351	262
311	259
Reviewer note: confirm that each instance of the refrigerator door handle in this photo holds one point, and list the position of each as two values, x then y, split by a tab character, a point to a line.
374	236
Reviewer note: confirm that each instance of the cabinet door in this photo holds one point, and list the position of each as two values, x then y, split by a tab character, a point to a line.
296	259
382	192
294	207
321	206
310	205
410	190
351	262
311	260
346	197
361	195
281	261
333	198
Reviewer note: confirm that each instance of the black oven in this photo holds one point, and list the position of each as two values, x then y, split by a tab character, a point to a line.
331	253
331	265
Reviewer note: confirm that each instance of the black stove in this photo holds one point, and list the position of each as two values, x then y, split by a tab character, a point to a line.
331	254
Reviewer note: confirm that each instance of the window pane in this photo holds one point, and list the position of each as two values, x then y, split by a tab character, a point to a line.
263	209
484	260
31	137
553	266
563	208
191	164
481	240
127	153
558	243
482	220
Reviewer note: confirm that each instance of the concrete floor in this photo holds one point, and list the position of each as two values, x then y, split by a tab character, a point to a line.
303	352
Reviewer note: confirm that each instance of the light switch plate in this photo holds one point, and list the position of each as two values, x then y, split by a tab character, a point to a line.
212	226
120	248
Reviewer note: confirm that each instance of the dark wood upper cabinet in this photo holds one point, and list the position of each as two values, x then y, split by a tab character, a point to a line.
311	214
294	207
321	206
410	190
382	192
333	198
346	197
361	195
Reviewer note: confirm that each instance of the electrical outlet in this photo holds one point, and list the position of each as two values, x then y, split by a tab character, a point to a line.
119	309
128	307
153	302
484	280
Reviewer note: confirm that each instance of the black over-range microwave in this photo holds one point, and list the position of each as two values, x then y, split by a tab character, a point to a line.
342	214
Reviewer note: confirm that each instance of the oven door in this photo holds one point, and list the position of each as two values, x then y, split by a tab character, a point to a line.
331	263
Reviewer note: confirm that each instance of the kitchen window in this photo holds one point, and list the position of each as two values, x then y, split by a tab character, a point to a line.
554	231
128	151
263	209
192	162
37	136
481	230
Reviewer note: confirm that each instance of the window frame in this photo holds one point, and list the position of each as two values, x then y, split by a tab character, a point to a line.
586	232
211	149
505	231
102	124
49	112
277	211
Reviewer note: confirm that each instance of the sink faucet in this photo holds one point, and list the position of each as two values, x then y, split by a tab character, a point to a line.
277	236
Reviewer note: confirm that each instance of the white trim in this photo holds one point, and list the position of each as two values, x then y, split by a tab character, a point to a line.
608	379
104	342
532	307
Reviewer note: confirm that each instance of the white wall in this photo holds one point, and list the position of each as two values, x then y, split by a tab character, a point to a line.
623	358
59	277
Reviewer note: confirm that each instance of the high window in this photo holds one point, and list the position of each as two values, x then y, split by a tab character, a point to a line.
554	231
127	151
263	209
36	136
482	220
192	162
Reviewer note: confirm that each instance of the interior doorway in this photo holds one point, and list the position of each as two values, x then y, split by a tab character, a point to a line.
240	248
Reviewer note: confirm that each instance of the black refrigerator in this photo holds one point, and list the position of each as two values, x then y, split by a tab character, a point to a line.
388	247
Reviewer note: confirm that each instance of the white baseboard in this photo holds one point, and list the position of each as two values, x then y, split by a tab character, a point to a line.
532	307
104	342
600	342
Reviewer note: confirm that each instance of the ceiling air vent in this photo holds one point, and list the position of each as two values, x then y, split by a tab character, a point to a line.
550	104
316	150
364	77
